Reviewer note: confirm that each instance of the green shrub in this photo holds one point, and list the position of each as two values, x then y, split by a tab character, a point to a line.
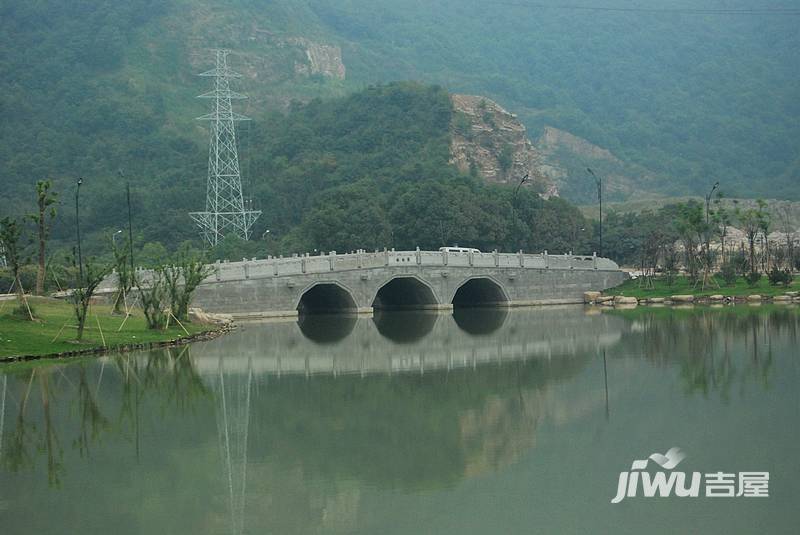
779	276
729	273
752	278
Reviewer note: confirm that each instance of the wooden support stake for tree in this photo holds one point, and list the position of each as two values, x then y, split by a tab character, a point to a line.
179	322
3	305
115	301
59	332
103	338
55	278
25	300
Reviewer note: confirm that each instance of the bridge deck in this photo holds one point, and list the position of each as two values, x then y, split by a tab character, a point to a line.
333	262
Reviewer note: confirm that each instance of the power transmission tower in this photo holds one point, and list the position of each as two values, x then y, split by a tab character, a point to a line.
225	205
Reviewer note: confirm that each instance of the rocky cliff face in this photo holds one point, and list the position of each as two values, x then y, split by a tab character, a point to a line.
491	141
321	59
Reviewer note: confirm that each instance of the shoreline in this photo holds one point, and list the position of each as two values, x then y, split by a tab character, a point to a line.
210	334
597	298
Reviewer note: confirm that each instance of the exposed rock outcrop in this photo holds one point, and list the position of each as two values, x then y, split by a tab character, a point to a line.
490	140
322	59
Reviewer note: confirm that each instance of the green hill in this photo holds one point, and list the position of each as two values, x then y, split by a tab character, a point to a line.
91	87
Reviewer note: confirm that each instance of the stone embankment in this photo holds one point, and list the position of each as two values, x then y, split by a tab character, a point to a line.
597	298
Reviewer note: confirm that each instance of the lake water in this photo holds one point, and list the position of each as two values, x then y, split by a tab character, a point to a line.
482	422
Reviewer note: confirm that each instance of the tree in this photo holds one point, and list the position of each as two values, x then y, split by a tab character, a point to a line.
753	220
181	280
721	218
82	294
690	225
43	218
153	296
10	234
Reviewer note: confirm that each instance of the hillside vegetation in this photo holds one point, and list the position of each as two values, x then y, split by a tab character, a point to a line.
93	87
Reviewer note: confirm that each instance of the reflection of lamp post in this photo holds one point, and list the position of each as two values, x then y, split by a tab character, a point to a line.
599	183
78	229
605	377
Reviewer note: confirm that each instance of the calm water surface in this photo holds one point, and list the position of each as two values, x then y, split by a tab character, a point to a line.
481	422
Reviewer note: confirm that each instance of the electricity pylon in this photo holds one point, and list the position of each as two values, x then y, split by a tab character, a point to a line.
225	205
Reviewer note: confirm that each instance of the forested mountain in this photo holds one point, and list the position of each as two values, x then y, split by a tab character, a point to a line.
91	87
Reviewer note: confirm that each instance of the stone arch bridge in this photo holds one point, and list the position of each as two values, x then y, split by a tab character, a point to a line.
363	281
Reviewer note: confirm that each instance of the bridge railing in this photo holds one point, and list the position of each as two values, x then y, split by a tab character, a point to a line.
333	262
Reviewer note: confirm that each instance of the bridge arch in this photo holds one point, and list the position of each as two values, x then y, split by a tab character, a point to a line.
326	297
403	292
480	291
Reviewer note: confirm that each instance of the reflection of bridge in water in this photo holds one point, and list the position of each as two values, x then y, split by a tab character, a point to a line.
407	341
490	427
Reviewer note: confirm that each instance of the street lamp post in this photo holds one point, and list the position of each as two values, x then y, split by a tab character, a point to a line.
521	182
514	202
599	183
708	227
114	238
78	229
708	200
130	220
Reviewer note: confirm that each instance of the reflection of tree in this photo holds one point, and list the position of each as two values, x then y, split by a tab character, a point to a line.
55	454
24	441
61	387
173	378
714	348
18	453
92	420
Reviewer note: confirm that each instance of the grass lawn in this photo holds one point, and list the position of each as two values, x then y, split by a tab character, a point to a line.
21	337
682	285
